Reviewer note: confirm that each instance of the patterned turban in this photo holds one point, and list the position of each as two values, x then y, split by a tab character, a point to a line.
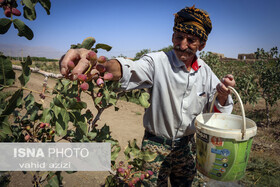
194	21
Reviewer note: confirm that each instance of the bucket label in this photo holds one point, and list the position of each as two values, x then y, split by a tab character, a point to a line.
220	158
217	141
223	152
204	137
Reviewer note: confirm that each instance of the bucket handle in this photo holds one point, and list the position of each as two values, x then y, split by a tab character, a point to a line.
243	128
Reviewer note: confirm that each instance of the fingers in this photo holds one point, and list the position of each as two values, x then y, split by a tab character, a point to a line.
75	60
222	89
78	62
228	80
230	76
80	68
71	55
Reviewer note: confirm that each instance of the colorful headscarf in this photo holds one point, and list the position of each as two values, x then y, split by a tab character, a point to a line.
194	21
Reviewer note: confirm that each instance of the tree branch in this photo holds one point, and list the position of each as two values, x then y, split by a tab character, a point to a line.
36	70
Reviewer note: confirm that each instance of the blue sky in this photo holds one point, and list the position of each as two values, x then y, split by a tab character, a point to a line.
239	26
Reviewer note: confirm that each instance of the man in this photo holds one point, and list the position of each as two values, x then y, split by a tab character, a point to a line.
181	87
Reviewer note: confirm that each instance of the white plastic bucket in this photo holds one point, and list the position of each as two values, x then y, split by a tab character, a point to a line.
223	143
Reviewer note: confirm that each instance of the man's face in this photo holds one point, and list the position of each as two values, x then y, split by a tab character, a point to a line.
186	46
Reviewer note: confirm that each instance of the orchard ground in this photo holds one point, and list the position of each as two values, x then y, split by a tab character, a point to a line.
126	124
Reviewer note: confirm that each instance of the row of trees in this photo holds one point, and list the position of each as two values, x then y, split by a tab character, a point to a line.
145	51
40	59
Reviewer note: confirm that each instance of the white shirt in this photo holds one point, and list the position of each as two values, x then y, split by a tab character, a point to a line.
177	95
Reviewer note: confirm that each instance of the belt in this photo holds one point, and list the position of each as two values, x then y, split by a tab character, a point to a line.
173	143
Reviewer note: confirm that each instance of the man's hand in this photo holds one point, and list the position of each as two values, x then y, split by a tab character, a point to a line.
81	64
223	90
78	61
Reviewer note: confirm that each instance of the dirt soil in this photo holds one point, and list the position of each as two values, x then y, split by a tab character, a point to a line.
125	125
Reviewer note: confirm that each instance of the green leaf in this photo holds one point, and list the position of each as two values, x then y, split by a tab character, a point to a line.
75	105
97	100
94	49
46	4
84	139
61	124
133	144
88	43
107	95
29	100
59	101
82	127
57	88
112	142
115	153
148	156
2	106
103	134
56	110
33	111
132	150
91	85
2	136
144	99
5	24
23	30
65	84
103	46
73	46
105	129
109	181
26	72
29	13
78	46
46	115
14	101
88	115
113	94
5	127
104	103
53	180
28	3
62	86
92	135
126	152
7	75
113	101
135	150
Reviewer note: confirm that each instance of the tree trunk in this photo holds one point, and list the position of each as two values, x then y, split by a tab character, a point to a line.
97	117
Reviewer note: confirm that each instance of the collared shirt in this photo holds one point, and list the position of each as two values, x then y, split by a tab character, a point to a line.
177	95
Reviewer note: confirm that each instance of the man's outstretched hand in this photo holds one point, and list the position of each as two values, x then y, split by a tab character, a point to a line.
78	62
75	62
